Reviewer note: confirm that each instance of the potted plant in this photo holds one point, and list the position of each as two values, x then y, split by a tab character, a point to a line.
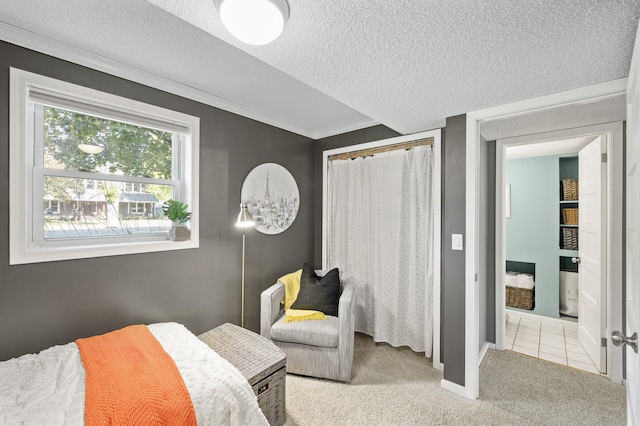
177	213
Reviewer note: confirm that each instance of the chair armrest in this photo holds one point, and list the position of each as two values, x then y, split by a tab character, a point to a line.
346	303
346	316
271	308
346	308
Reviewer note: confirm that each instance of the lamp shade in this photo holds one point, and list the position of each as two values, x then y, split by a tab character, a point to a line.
255	22
245	220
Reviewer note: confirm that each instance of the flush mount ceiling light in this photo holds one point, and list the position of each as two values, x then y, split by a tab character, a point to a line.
255	22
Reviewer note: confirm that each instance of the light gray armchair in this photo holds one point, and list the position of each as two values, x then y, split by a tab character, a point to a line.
316	348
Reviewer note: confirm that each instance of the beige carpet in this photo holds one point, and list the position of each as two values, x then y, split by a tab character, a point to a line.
395	386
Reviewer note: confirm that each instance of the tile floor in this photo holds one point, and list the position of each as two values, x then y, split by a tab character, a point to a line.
553	343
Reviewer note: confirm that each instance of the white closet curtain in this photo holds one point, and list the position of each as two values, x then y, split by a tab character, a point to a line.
380	235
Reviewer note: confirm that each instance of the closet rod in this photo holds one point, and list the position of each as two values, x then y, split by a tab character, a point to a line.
387	148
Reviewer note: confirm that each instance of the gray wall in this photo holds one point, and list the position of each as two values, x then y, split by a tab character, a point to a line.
487	242
490	247
483	283
54	303
453	270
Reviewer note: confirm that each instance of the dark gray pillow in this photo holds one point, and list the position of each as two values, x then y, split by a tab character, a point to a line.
318	293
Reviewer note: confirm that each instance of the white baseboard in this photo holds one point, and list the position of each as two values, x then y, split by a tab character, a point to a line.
438	366
484	350
453	387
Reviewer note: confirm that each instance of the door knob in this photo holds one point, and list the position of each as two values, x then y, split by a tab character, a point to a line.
618	340
575	260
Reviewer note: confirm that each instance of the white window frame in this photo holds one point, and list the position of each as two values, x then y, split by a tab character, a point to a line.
23	211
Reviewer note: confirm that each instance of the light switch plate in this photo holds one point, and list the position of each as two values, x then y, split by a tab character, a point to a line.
456	241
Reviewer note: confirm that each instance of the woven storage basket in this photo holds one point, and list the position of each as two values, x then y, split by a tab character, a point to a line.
261	362
522	298
271	397
570	216
570	238
570	189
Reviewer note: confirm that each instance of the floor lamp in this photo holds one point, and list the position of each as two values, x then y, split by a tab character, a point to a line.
245	220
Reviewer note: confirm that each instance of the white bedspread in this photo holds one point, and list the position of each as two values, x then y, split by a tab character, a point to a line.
48	388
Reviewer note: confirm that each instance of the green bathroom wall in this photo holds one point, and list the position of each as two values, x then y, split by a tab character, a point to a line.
532	230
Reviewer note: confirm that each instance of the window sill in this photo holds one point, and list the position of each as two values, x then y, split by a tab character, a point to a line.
57	253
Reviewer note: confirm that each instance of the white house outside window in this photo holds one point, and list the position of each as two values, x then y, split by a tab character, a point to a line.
90	171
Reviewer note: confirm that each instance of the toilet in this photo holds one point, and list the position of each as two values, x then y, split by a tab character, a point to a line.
569	293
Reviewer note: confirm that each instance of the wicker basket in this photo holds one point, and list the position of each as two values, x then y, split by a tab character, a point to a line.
261	362
272	397
570	238
570	189
522	298
570	216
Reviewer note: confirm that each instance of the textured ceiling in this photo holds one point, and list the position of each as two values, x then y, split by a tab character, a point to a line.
540	149
407	64
142	36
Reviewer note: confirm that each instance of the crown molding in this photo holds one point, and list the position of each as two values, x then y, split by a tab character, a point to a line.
48	46
344	128
587	94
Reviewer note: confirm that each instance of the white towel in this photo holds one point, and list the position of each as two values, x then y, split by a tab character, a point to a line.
525	281
511	279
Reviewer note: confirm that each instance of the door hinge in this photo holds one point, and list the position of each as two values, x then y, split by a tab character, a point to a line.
604	157
603	342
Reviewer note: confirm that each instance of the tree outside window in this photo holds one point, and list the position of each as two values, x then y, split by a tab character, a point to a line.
103	207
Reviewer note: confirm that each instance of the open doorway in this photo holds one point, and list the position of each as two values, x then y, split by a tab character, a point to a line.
540	241
594	105
542	268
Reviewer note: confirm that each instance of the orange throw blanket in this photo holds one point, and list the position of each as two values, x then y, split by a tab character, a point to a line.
130	379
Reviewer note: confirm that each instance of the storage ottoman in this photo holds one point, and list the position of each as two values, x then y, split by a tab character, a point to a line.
261	362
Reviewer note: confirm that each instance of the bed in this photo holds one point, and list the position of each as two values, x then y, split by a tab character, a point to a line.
49	388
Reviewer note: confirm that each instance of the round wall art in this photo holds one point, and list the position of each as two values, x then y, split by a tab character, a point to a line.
272	196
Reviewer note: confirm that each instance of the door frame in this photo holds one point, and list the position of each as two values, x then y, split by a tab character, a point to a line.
437	211
473	170
613	136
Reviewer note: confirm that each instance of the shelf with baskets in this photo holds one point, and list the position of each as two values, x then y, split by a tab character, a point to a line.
569	214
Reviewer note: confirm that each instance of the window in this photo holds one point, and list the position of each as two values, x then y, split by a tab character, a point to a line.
101	165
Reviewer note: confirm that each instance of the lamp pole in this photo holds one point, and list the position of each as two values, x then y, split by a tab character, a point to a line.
242	314
245	220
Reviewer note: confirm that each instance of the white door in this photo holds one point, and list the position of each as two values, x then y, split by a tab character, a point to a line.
632	321
591	239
